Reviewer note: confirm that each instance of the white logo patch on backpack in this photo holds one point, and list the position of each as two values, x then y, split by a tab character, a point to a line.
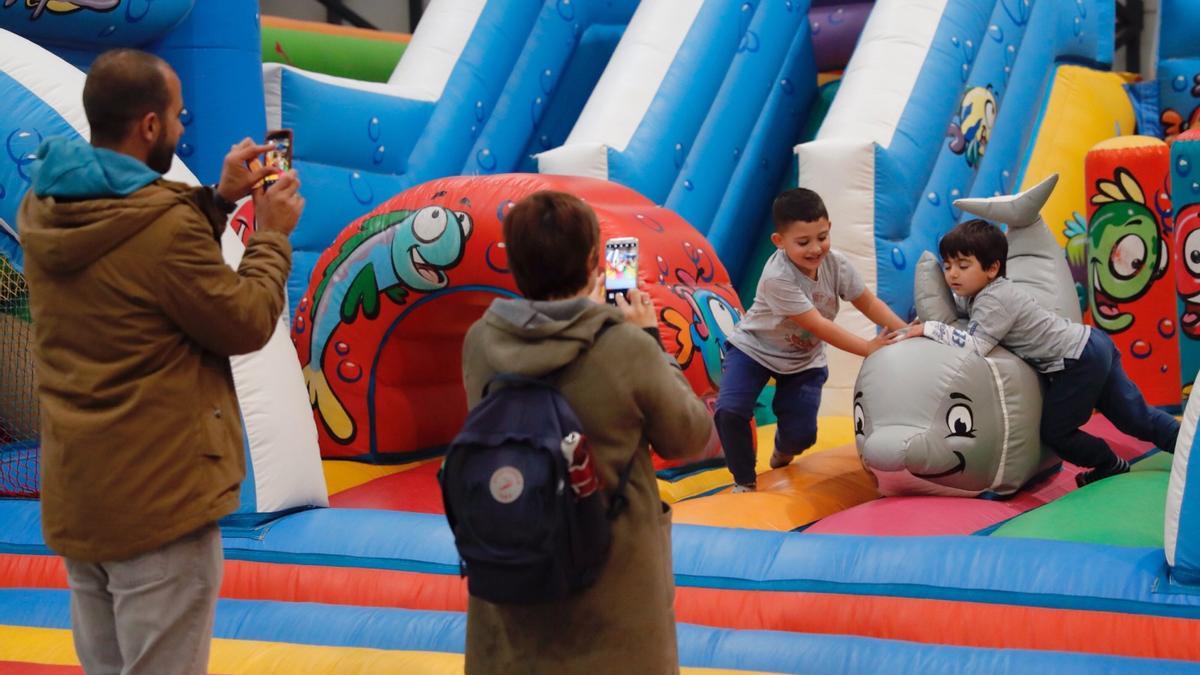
507	484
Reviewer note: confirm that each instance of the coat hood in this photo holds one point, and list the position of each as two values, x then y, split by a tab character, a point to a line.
559	329
85	201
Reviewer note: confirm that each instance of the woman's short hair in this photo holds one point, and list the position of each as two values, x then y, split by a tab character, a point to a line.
551	240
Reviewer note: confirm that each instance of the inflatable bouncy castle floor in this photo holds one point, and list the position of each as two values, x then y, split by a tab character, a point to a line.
677	121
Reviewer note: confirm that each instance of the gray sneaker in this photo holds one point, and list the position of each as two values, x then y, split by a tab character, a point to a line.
748	487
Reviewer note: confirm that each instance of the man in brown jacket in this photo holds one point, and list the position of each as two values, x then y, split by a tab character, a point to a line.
628	394
135	315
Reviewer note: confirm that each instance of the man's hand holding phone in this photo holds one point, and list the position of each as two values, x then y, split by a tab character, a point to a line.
237	177
278	209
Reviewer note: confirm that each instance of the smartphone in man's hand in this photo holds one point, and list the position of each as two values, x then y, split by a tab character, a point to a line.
278	157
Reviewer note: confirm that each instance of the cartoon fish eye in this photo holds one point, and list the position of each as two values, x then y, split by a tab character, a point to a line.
960	422
860	419
722	316
1191	252
1128	257
429	224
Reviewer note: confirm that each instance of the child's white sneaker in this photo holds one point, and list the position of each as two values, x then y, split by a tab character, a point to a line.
739	488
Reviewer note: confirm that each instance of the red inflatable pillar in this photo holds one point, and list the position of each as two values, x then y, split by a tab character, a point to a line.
1131	293
1185	193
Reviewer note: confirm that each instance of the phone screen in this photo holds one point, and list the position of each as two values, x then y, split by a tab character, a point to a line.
280	156
620	265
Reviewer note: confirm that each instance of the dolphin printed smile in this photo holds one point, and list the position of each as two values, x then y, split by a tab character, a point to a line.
969	424
958	468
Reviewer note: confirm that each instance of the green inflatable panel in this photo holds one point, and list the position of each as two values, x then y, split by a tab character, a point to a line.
1124	510
340	55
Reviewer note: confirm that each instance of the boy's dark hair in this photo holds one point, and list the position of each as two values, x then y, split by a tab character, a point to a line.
122	86
979	238
797	204
551	240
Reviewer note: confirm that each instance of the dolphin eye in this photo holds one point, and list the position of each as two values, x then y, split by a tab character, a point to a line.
429	224
860	419
1191	252
1128	257
959	421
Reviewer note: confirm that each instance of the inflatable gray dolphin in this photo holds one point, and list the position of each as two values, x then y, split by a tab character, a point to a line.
933	419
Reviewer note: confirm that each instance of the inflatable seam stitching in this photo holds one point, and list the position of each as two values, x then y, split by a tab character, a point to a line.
1004	416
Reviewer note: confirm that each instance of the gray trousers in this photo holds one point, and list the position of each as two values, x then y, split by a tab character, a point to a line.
150	614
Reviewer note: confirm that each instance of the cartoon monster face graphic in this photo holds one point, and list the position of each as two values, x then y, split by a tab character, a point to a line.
1187	273
705	332
1125	251
932	419
976	117
717	320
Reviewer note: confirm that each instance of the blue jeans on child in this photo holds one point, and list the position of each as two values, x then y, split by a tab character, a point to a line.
797	397
1096	381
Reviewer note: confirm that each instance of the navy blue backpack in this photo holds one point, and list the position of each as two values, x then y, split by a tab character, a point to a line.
522	533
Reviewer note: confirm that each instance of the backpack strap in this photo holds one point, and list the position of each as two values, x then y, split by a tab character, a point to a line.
512	379
617	502
550	379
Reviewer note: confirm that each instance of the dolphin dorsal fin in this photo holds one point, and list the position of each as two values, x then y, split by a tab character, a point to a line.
1016	211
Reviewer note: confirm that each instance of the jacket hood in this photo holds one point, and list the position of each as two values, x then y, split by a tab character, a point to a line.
71	168
560	330
85	201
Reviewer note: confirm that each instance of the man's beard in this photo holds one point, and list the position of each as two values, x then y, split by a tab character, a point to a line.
161	154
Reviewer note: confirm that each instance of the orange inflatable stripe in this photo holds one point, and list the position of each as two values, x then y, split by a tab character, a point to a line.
913	619
968	624
815	485
331	29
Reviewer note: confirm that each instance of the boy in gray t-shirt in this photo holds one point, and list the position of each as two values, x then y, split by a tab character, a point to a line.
1079	365
783	335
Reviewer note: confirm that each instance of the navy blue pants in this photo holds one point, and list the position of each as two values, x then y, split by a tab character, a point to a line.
797	397
1096	381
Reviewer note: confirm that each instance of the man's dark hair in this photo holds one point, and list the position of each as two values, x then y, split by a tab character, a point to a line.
797	204
122	86
551	240
979	238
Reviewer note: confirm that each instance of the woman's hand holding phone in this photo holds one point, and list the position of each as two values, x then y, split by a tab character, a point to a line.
638	309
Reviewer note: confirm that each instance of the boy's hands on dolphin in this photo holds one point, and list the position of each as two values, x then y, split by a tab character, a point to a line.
912	330
883	339
236	178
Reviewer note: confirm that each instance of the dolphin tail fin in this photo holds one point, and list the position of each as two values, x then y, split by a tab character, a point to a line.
1016	211
332	412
